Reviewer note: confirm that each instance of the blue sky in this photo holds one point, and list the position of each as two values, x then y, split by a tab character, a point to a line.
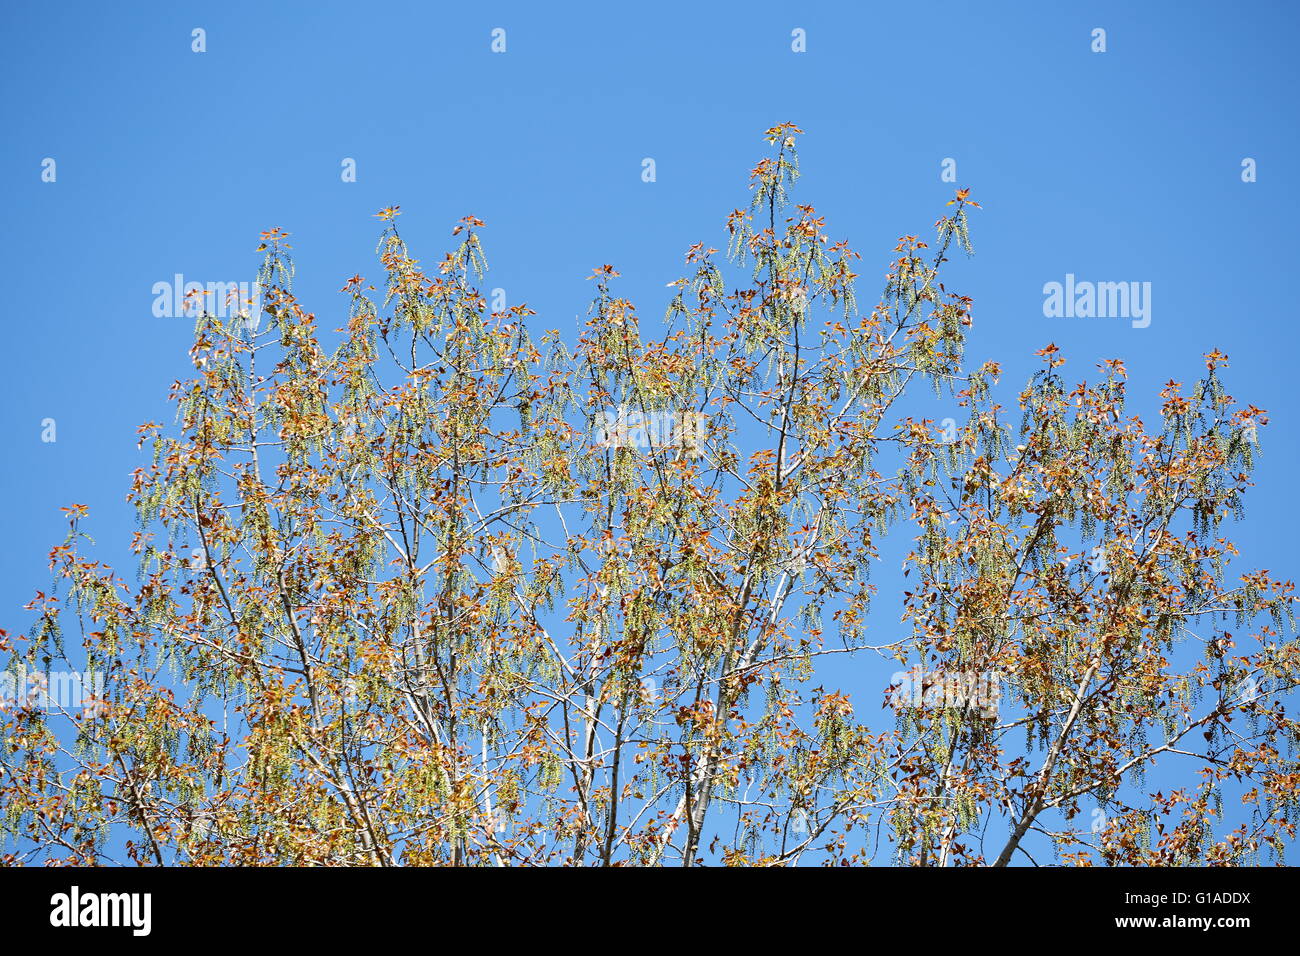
1115	166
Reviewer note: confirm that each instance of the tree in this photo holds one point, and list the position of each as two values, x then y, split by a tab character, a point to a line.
443	594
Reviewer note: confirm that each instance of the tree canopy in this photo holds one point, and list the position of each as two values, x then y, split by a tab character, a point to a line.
435	589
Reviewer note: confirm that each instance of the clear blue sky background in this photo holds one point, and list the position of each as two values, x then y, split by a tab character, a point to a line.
1115	166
